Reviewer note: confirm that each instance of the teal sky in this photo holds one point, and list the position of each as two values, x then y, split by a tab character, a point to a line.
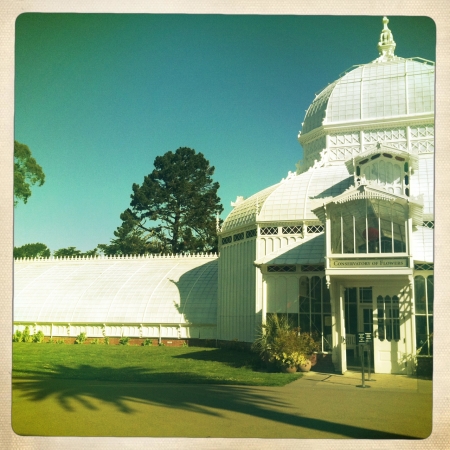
99	96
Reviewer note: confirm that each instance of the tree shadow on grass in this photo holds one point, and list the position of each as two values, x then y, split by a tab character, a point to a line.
231	358
78	395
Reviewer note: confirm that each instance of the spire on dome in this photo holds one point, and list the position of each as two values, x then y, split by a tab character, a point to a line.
386	46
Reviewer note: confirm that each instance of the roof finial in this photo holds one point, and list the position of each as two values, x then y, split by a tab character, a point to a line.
386	46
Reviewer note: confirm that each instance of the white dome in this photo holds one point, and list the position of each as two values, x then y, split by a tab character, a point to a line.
391	89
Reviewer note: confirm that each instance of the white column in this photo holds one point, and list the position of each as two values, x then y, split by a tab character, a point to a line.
264	300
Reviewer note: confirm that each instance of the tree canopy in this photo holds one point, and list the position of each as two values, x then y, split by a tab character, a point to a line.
37	250
73	251
27	172
130	240
175	208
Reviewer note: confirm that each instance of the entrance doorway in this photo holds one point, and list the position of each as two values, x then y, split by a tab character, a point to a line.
358	318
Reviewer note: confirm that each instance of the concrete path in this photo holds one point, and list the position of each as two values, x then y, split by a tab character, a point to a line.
319	405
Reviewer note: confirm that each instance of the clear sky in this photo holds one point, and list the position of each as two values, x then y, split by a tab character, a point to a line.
99	96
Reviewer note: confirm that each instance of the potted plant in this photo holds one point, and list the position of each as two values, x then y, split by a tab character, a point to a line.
289	362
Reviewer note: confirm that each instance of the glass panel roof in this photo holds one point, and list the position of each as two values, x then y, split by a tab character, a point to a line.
292	198
136	290
245	213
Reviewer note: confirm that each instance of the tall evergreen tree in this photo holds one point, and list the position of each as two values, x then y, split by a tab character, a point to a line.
130	240
175	208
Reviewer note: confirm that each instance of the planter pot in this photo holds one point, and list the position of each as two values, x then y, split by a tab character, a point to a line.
306	367
287	369
313	359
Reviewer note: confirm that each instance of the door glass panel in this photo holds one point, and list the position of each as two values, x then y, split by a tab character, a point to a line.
388	315
351	312
367	320
395	318
381	324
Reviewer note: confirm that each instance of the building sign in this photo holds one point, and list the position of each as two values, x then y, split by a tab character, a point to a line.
360	263
364	338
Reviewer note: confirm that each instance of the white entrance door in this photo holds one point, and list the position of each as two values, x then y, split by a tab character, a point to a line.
388	342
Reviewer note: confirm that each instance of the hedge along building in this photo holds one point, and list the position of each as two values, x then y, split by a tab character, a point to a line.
345	244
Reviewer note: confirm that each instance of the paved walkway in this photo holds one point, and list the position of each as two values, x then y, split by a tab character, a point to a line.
319	405
379	380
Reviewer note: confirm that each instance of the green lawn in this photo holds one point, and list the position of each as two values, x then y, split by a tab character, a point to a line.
143	364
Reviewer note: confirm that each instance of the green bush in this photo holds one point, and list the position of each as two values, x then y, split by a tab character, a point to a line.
51	341
280	344
124	340
60	341
38	337
17	336
80	338
26	336
95	341
147	342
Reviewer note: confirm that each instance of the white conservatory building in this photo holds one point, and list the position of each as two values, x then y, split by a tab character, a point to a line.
341	246
345	244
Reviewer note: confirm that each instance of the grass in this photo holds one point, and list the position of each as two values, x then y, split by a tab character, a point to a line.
191	365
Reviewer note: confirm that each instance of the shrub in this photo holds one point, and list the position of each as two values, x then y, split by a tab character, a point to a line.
26	336
106	340
60	341
267	333
95	341
38	337
124	340
17	336
51	341
80	338
147	342
281	344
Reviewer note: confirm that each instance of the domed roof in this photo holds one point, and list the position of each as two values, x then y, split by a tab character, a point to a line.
290	199
388	87
245	212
